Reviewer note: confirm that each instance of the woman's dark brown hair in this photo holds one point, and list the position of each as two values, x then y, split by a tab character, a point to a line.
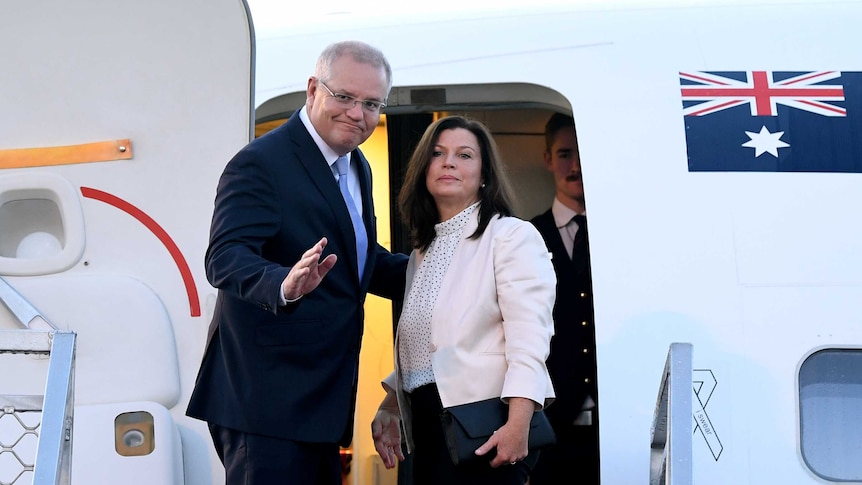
418	210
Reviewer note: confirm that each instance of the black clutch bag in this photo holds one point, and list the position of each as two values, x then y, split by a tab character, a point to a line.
468	426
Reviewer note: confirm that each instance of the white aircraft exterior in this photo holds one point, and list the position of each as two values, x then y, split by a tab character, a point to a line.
721	146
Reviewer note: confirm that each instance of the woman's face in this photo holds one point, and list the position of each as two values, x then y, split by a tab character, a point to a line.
455	172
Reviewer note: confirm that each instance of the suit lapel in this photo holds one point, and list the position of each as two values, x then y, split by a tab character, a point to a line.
547	226
323	179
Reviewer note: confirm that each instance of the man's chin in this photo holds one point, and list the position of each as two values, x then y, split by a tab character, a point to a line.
346	145
351	140
575	194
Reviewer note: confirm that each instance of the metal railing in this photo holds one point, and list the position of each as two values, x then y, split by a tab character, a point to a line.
671	433
53	461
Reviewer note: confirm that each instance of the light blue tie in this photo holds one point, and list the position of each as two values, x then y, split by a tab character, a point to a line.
358	225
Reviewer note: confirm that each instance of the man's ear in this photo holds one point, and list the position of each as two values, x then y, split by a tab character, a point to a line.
311	89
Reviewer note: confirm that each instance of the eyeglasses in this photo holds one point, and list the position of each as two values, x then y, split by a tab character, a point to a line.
348	101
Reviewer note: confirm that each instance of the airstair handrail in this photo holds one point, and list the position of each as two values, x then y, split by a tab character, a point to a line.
54	454
53	463
28	316
671	434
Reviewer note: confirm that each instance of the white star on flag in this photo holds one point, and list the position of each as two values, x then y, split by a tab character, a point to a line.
764	142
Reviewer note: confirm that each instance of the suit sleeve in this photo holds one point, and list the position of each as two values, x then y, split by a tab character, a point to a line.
388	279
246	215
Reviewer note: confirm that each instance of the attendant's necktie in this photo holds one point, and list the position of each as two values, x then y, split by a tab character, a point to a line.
358	226
580	248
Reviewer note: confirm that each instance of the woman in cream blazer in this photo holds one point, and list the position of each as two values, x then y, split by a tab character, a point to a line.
477	319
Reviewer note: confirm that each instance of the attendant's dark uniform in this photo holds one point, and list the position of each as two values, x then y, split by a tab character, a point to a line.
572	365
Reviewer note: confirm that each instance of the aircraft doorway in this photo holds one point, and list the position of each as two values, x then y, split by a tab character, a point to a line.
516	115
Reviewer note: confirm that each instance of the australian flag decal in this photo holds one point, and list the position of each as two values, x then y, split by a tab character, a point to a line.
773	121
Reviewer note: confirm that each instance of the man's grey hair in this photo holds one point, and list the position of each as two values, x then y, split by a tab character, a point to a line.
359	51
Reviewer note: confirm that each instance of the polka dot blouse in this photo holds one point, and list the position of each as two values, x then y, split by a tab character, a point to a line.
414	327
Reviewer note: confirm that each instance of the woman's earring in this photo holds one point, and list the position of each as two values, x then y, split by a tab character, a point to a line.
482	187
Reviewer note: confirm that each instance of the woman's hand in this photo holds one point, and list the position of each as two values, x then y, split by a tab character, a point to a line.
386	431
512	438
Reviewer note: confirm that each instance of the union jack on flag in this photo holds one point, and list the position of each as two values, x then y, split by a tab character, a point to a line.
762	93
809	121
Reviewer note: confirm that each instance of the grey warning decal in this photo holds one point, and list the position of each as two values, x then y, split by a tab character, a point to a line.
703	385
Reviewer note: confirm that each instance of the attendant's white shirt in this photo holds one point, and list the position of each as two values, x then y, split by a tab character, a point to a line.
567	227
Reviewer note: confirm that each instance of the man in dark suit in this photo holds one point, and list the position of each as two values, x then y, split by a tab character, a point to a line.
572	361
293	255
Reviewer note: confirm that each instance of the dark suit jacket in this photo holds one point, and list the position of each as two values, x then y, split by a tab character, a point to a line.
288	372
572	370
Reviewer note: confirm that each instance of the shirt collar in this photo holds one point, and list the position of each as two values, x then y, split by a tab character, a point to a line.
328	153
562	214
456	223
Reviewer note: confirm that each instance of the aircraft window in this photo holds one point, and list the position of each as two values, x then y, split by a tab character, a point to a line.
830	414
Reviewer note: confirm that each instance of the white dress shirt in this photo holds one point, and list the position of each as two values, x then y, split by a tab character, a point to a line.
567	227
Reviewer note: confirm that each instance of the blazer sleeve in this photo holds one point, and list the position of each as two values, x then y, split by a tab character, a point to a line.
526	292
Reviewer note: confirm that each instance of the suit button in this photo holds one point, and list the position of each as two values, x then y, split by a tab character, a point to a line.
587	380
586	351
433	347
584	323
583	295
